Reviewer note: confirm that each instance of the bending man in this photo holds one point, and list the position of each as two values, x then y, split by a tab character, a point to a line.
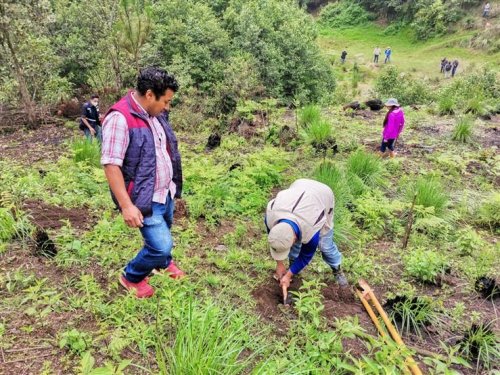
299	220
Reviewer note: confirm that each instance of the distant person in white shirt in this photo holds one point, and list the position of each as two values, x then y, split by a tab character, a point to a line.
486	10
376	54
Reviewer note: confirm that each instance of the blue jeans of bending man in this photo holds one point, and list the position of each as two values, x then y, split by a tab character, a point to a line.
157	249
329	250
98	134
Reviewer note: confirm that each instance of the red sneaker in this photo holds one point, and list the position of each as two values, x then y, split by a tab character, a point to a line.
172	270
142	288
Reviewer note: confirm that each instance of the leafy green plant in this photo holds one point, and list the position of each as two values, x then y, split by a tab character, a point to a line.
488	213
481	344
86	151
343	14
75	341
309	114
462	132
468	241
8	224
426	265
308	303
442	365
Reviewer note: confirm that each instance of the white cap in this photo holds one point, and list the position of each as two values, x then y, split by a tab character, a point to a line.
392	101
281	239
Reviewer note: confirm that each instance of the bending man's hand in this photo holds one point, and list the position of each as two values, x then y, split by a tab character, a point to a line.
285	282
280	270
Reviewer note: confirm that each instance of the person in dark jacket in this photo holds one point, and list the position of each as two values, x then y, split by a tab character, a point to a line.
443	64
138	158
454	67
176	164
90	122
343	56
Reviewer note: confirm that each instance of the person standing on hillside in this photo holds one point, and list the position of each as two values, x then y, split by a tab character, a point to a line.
388	53
298	221
90	122
376	54
394	123
139	165
447	69
443	64
454	67
343	56
486	10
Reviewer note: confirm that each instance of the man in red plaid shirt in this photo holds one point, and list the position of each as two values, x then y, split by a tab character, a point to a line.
137	159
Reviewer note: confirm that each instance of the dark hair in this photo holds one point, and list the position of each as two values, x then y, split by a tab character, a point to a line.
157	80
94	96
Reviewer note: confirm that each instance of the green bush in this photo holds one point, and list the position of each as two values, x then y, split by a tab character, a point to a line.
468	241
430	20
446	104
462	132
426	265
319	132
343	14
408	90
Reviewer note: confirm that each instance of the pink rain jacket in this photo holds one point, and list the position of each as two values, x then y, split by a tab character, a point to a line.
395	124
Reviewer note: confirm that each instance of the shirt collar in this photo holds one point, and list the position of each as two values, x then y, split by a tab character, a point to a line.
144	112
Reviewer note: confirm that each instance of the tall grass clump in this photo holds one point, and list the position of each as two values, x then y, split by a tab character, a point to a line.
364	169
7	225
309	115
446	104
86	151
488	213
334	177
319	132
480	343
430	193
207	340
462	132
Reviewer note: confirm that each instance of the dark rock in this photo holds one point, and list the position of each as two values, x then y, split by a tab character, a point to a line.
354	106
374	104
213	141
488	287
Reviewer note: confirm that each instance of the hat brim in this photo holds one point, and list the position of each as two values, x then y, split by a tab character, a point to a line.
279	255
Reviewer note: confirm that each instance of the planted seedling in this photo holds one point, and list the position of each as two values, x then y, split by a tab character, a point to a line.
411	314
481	344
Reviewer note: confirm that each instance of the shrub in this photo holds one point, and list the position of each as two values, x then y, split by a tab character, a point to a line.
75	341
462	132
426	265
343	14
86	152
309	114
429	193
468	241
430	20
392	83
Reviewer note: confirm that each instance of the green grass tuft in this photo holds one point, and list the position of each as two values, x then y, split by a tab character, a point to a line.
463	129
86	152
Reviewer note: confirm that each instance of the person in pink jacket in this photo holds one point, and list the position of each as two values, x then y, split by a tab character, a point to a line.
394	123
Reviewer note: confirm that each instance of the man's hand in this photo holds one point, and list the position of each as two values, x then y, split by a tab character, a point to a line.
285	282
280	270
92	131
133	217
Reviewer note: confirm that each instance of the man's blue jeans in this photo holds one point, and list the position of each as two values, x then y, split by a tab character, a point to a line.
98	134
329	250
157	249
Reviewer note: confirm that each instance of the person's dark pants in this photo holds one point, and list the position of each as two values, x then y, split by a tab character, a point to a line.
157	249
98	133
387	144
486	13
375	58
342	60
453	71
387	59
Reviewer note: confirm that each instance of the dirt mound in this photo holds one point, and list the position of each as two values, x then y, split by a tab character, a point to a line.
46	216
269	297
181	209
